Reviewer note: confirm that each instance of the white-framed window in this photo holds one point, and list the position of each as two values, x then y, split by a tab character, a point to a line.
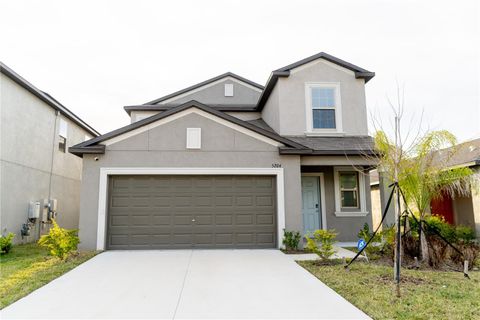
194	138
62	133
350	193
349	197
323	107
228	89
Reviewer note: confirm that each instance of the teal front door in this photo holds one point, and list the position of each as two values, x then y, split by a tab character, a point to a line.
311	206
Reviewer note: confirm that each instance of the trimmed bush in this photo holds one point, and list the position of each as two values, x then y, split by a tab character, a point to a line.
60	242
464	234
321	242
6	243
291	239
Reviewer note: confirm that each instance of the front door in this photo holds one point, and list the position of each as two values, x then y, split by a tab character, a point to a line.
311	205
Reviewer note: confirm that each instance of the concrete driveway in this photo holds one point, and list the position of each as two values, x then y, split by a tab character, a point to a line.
186	284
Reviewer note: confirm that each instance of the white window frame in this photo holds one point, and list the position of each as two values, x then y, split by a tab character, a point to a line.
360	211
309	109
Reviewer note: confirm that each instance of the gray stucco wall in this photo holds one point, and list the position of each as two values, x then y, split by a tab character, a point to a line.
164	146
27	133
215	94
346	227
290	99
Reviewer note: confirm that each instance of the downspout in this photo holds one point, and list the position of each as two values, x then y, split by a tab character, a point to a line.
57	113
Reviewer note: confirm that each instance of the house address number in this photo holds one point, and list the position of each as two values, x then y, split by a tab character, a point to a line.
276	165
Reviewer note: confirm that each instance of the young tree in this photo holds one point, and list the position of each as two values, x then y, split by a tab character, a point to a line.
423	170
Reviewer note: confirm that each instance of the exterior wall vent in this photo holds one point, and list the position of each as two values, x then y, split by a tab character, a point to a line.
228	89
194	138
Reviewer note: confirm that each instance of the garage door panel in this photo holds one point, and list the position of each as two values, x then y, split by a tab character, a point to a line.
156	212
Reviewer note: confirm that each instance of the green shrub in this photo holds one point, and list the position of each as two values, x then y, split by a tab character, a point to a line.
464	234
60	242
321	242
439	224
6	243
291	239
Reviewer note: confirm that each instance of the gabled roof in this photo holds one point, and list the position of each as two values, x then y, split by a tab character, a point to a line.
464	154
360	73
92	145
48	99
206	82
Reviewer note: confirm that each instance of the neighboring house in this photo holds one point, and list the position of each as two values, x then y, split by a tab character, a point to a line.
229	163
461	210
36	132
380	190
458	210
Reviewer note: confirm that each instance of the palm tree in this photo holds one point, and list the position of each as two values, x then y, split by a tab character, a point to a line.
423	171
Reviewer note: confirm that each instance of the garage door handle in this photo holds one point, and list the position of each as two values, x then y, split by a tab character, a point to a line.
193	220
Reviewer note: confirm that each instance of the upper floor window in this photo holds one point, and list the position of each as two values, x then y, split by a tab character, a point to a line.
62	132
323	107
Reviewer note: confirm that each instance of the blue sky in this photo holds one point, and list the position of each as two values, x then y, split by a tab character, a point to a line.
98	56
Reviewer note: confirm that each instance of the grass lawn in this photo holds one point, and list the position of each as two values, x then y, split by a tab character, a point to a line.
425	294
28	267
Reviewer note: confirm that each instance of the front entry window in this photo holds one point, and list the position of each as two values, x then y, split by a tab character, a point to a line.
349	189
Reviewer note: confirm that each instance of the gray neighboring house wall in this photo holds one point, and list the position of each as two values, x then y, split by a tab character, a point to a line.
29	126
321	175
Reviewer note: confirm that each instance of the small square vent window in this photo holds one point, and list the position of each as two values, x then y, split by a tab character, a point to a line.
194	138
228	89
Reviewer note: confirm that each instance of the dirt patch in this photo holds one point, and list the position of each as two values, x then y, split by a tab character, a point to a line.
294	251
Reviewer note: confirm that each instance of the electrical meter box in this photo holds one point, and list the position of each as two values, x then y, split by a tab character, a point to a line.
53	205
34	210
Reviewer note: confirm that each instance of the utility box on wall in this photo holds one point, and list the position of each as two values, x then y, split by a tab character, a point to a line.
34	210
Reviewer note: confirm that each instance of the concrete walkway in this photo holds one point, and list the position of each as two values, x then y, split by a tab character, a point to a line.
186	284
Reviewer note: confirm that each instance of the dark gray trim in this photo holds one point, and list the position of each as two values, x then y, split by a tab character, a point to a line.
164	107
45	97
201	84
96	149
360	73
77	148
310	152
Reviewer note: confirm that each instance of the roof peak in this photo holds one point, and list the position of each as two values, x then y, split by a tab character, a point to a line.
206	82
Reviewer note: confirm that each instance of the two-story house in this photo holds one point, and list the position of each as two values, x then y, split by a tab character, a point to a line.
35	166
229	163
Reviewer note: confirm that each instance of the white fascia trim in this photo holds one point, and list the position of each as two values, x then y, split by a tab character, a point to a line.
338	108
321	177
321	60
186	112
228	78
105	172
361	190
